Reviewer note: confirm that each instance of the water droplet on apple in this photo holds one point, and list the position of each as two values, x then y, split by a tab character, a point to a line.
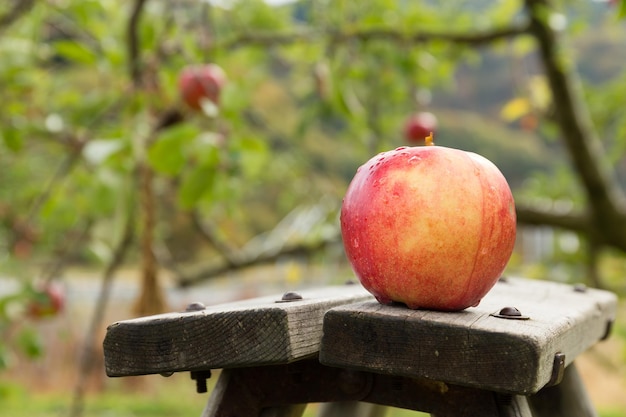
414	159
401	148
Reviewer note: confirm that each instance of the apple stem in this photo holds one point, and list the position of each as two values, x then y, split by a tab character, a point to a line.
429	140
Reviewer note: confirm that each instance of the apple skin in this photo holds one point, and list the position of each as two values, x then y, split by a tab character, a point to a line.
198	82
429	226
418	126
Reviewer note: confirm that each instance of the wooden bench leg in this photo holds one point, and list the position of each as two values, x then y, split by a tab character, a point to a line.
513	406
293	410
281	390
567	399
506	406
351	409
233	395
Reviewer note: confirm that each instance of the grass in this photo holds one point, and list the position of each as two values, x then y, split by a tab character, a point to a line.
164	398
168	400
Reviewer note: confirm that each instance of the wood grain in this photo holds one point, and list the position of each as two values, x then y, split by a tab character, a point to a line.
254	332
472	347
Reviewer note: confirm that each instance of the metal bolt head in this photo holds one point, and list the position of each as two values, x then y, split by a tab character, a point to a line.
200	377
195	306
511	313
290	296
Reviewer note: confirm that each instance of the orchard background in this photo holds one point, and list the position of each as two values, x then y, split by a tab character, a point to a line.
118	199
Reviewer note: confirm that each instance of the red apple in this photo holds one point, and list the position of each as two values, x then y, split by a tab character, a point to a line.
48	300
418	126
428	226
201	82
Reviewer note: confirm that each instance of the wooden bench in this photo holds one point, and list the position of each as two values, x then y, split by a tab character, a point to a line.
510	356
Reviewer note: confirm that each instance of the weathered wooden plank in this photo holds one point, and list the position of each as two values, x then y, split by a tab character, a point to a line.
472	347
253	332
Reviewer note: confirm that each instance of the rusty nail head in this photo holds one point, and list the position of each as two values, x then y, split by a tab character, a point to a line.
290	296
511	313
580	288
195	306
558	369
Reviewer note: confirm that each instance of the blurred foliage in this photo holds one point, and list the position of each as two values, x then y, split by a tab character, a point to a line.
302	109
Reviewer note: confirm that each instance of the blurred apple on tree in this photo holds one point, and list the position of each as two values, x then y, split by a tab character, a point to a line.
197	83
418	126
47	300
429	226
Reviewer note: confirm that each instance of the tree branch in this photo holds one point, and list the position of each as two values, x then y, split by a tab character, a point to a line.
66	166
207	233
575	222
256	259
87	352
76	240
134	50
605	197
307	36
20	7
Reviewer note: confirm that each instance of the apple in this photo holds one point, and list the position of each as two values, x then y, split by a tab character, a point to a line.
428	226
418	126
47	300
201	82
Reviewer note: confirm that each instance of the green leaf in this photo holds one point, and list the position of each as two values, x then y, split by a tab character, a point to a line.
204	149
12	139
167	154
29	342
522	45
253	156
196	184
75	51
5	358
621	13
